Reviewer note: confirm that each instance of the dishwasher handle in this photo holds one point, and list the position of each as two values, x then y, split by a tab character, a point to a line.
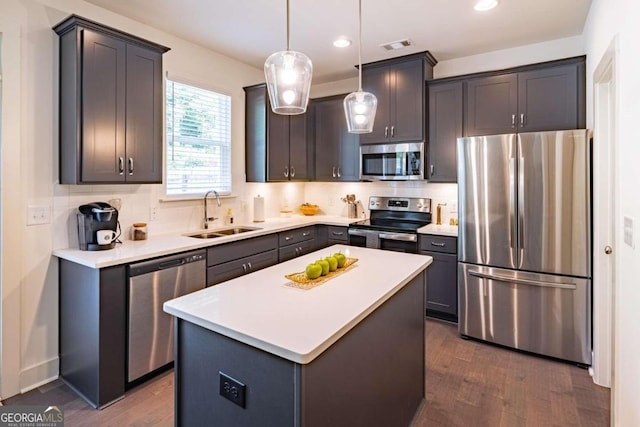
166	262
171	263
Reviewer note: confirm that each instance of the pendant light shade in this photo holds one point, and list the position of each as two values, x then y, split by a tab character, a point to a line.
360	106
288	74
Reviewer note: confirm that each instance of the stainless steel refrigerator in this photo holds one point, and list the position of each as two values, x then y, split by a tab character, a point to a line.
524	245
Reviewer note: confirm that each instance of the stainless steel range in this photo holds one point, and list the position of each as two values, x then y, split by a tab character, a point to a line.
393	224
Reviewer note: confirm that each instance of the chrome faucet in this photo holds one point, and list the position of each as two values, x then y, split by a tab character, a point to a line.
207	218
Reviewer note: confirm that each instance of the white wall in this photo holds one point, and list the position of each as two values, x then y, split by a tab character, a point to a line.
608	19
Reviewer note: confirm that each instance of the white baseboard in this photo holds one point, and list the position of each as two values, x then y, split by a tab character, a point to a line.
40	374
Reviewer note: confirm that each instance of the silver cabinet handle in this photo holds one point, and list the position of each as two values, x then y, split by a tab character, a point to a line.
306	233
286	171
513	121
121	165
432	168
333	171
293	171
339	172
393	131
386	131
250	266
522	119
440	245
522	281
130	165
338	233
244	267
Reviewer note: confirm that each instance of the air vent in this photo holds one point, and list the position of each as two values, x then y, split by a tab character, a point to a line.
397	44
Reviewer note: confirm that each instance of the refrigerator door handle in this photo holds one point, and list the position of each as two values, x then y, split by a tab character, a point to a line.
512	203
521	216
517	281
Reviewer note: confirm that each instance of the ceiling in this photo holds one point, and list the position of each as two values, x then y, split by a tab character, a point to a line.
250	30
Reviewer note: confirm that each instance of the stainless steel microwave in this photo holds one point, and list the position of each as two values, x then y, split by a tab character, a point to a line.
399	161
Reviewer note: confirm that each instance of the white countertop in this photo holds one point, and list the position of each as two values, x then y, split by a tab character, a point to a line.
260	310
167	244
441	230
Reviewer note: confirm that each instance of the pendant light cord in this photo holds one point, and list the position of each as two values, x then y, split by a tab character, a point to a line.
359	45
288	37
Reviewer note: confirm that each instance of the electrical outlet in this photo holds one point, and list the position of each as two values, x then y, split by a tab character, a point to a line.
453	206
153	213
628	231
38	215
232	389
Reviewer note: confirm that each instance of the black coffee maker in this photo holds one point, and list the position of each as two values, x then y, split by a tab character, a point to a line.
97	226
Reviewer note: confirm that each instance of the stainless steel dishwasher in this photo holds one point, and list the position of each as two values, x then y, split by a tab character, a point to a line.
151	283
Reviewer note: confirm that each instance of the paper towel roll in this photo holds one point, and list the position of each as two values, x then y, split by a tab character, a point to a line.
258	209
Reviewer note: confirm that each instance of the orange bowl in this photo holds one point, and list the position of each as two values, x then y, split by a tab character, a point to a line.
309	209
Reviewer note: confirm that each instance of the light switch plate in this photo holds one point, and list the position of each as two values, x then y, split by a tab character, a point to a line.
453	206
38	215
628	231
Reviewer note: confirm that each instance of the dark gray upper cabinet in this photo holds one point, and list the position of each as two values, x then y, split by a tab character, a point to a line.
444	127
399	86
545	97
336	149
276	147
110	105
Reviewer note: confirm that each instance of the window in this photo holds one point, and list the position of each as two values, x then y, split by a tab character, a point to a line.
198	152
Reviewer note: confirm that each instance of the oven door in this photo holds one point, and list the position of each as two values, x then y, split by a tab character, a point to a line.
392	161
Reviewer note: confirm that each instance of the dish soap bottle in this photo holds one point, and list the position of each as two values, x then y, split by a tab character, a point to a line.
229	217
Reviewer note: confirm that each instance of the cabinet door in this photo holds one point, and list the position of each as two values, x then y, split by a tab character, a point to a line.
298	161
548	99
348	152
327	139
491	105
442	286
445	126
376	81
286	253
407	102
103	108
277	146
144	115
256	133
236	268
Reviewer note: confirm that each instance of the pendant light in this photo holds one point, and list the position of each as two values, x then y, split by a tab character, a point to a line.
288	75
360	106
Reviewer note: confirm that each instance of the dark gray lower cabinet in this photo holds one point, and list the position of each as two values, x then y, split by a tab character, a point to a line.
442	282
93	331
231	260
294	243
372	376
337	235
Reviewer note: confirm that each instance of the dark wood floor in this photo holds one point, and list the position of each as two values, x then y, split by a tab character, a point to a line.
469	384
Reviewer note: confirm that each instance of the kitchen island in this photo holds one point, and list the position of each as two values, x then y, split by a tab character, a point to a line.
347	352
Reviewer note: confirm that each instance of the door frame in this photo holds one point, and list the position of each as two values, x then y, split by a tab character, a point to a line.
605	209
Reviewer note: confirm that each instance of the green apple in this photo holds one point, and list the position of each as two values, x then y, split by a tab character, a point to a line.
313	270
341	259
333	263
325	266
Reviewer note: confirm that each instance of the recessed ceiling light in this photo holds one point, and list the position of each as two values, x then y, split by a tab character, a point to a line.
484	5
342	42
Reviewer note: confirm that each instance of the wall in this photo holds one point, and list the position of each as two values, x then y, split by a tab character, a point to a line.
609	19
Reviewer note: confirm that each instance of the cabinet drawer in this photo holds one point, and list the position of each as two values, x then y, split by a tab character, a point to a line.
433	243
235	250
287	252
236	268
337	234
298	235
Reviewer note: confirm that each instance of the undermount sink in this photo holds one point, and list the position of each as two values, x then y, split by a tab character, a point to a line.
222	232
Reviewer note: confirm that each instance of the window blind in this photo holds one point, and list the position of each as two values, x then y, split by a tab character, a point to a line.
198	155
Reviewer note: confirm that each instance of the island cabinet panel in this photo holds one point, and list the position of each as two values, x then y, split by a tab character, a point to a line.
93	304
336	150
374	375
444	128
296	242
231	260
442	276
277	147
110	105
